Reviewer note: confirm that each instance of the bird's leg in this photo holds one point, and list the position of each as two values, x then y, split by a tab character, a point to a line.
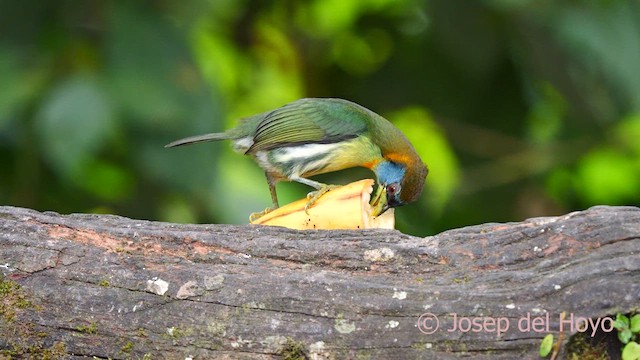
274	198
314	195
272	189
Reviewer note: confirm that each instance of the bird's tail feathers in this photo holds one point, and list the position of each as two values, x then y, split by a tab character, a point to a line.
199	138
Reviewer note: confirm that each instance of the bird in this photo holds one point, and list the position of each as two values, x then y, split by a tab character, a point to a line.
312	136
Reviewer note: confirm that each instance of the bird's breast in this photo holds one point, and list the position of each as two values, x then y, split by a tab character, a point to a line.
313	159
297	160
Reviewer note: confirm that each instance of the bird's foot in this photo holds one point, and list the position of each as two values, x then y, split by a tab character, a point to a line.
256	215
315	195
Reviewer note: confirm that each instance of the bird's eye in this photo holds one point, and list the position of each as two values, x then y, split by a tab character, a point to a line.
392	189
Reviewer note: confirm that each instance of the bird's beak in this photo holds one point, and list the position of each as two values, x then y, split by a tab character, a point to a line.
378	201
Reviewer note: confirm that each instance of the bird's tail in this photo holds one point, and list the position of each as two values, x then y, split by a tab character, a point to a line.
199	138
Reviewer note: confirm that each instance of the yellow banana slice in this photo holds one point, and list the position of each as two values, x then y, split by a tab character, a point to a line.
345	207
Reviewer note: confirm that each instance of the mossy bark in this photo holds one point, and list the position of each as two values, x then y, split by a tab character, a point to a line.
111	287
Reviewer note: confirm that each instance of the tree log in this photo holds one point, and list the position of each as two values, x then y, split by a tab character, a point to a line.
104	286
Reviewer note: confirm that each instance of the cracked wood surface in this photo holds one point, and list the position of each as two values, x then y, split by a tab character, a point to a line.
112	287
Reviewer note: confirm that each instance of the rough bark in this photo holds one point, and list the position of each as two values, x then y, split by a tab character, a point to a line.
111	287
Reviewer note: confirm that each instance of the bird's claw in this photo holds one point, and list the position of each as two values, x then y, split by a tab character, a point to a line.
315	195
256	215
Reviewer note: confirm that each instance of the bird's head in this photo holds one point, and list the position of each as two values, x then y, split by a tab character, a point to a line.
399	183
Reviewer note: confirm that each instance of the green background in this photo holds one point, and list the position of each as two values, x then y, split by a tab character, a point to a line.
520	108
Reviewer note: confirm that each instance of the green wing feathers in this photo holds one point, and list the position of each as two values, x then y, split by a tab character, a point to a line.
300	122
310	120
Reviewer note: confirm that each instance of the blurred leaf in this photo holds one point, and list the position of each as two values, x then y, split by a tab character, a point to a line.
161	93
546	117
150	72
606	176
627	132
510	4
107	181
239	189
434	149
275	77
177	210
621	322
606	35
361	55
625	336
634	323
17	85
220	61
74	122
326	18
560	185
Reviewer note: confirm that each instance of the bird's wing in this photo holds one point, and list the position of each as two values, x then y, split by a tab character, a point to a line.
309	121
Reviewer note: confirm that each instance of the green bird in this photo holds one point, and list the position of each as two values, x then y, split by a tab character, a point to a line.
313	136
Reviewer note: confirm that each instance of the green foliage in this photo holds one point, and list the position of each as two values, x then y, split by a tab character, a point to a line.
599	175
622	325
546	345
631	351
629	335
547	114
75	115
634	324
520	108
